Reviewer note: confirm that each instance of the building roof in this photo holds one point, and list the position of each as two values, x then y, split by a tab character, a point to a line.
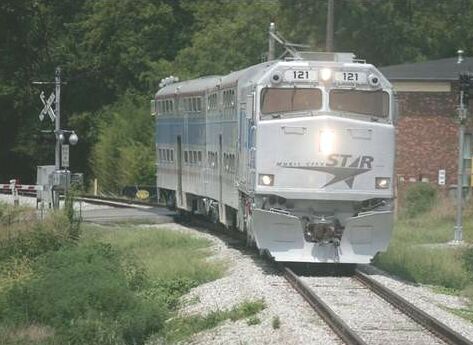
442	69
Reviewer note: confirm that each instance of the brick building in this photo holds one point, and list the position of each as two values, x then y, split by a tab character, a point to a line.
427	130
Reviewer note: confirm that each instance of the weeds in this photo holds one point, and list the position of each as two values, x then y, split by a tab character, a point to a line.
180	328
86	286
276	322
253	320
419	199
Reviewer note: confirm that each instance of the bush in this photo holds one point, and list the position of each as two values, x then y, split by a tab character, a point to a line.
169	291
35	238
87	296
420	198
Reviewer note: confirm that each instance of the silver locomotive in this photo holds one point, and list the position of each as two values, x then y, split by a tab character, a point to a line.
297	154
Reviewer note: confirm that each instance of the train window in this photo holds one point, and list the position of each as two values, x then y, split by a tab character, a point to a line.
194	156
199	154
186	158
212	101
167	155
172	155
278	101
199	104
374	103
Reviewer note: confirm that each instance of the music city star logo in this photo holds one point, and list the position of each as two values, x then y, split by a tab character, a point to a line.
343	167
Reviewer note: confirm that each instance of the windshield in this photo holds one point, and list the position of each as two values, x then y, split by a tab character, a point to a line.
374	103
276	101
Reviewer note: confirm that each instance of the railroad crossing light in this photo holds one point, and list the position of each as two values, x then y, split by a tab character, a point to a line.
73	138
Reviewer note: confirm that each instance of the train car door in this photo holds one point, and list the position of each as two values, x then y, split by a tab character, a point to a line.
179	171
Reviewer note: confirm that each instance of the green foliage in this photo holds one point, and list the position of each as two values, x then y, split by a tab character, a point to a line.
169	291
170	256
253	320
34	238
214	48
276	322
124	153
108	51
420	198
87	287
73	228
383	32
424	264
181	328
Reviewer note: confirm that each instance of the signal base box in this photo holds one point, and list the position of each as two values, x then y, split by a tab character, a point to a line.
42	178
60	180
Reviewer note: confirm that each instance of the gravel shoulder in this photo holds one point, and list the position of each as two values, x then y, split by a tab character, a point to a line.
251	278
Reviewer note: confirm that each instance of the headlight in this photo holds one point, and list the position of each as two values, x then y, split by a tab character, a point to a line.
325	74
382	182
265	179
327	142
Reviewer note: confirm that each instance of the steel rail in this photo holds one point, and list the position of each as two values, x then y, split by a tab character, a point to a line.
431	324
326	313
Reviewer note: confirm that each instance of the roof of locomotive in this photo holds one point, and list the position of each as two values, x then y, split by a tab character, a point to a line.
254	72
214	81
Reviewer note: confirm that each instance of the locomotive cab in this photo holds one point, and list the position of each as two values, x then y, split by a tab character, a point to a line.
324	156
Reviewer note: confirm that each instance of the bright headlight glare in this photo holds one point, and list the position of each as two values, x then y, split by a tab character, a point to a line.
382	182
325	74
327	142
266	179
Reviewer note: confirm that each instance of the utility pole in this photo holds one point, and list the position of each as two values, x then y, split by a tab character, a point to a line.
464	85
329	30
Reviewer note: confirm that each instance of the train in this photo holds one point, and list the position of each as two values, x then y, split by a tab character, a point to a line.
297	154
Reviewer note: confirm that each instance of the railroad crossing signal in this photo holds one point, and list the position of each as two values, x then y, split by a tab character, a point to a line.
47	106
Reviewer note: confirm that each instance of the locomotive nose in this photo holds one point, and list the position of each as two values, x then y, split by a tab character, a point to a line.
337	156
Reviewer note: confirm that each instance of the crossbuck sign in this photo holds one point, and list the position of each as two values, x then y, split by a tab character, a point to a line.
47	107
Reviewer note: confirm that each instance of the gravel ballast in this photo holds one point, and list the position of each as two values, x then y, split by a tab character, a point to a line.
250	278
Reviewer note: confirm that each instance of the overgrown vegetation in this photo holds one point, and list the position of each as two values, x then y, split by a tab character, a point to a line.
419	199
181	328
419	250
65	283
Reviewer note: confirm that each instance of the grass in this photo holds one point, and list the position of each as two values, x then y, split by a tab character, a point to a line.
419	252
96	285
276	322
167	255
179	329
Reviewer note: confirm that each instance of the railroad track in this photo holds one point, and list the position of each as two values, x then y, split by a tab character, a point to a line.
312	291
